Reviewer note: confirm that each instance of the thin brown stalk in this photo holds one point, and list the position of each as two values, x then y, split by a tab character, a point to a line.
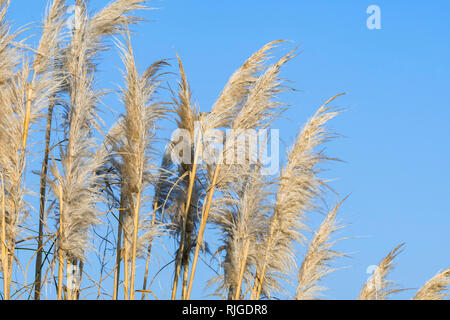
178	260
255	287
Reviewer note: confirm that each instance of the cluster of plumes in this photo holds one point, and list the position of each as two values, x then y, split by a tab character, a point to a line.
237	89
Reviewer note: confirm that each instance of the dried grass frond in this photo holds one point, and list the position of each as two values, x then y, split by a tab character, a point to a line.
116	16
298	186
435	288
377	286
316	264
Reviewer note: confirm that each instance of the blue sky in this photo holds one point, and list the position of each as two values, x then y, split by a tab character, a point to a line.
396	131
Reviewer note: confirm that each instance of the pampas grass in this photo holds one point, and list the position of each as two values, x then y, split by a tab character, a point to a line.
435	288
116	186
378	287
242	214
259	109
185	219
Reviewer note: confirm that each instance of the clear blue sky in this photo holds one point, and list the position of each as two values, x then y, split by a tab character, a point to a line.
396	129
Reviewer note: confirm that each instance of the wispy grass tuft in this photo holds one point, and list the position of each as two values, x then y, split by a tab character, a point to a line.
298	186
377	286
316	264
